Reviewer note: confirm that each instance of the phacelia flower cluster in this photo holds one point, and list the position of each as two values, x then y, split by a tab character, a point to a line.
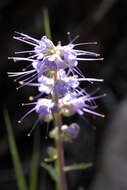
54	71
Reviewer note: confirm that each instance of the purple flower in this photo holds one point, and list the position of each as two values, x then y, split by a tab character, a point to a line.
46	57
45	84
70	132
43	47
53	70
73	103
43	107
61	87
73	130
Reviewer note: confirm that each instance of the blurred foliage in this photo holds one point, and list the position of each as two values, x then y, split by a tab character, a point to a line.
21	182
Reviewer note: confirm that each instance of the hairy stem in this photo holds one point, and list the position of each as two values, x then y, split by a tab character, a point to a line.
58	119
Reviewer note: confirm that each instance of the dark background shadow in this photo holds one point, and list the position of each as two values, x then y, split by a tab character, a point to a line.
104	21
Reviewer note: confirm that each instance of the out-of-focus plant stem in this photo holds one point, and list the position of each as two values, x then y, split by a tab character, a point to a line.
47	24
21	182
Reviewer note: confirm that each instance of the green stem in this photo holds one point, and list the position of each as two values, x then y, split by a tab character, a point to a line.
47	24
57	167
59	163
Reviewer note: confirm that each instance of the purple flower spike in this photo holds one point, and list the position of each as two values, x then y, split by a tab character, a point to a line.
54	70
73	130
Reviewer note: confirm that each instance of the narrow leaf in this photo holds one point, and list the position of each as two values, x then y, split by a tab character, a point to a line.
35	163
52	172
14	153
50	159
80	166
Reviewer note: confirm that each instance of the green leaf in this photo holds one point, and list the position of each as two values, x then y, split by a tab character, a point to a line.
80	166
14	153
35	162
47	24
50	159
52	172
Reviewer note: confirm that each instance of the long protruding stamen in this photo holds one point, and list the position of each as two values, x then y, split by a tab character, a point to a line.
22	118
28	83
20	52
87	53
90	79
23	40
76	37
78	72
94	113
24	75
27	79
27	104
33	128
14	74
27	36
20	59
38	96
86	43
97	97
89	59
69	36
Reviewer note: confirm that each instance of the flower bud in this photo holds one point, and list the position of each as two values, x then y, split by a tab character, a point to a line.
52	152
73	130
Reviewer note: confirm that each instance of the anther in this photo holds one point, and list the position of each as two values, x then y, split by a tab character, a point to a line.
9	58
19	121
59	42
14	80
97	55
23	69
31	98
21	82
28	134
22	104
17	88
14	60
68	33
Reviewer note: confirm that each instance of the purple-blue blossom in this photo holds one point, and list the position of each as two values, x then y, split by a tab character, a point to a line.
47	61
46	55
73	130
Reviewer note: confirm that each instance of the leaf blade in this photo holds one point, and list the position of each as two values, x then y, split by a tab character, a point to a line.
14	153
52	172
81	166
35	163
